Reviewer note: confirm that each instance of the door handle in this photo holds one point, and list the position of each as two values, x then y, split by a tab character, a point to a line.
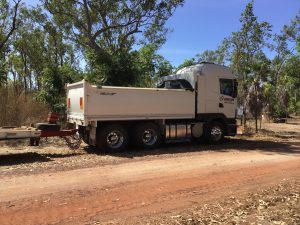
221	105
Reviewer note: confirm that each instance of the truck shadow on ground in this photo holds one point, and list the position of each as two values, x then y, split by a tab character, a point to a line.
266	146
30	157
230	144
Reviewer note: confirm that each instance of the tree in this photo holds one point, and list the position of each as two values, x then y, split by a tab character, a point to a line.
211	56
40	58
8	20
255	101
8	24
255	98
151	65
283	70
108	29
244	46
187	62
164	67
290	82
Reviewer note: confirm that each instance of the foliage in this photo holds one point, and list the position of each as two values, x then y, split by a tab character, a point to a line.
117	43
18	108
245	48
53	82
8	21
283	80
212	56
187	62
276	80
107	31
151	66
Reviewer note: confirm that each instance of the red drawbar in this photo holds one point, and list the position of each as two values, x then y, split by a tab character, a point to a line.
58	133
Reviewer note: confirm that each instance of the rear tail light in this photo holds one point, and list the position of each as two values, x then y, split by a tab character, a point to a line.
69	103
81	103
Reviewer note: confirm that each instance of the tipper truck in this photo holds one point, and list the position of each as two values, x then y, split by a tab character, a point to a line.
198	102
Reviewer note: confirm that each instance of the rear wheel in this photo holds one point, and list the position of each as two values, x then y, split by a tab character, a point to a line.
214	132
112	137
146	135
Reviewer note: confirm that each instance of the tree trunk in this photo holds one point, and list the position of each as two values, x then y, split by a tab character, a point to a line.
244	116
260	122
256	113
256	120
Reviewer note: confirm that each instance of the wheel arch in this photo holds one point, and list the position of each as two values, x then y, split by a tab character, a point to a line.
209	118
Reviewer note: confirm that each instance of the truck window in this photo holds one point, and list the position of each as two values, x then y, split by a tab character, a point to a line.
175	84
161	85
227	87
185	84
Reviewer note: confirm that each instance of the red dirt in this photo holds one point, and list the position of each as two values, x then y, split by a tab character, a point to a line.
152	187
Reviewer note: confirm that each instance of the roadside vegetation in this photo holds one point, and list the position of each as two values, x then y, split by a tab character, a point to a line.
116	43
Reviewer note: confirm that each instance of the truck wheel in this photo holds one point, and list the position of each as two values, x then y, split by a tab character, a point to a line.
112	137
146	135
214	132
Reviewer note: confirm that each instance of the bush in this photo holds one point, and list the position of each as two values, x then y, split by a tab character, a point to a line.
20	108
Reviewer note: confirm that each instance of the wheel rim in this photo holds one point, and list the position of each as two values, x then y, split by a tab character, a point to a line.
114	139
216	133
149	137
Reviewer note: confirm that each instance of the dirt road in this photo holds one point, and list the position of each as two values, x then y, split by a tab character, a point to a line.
134	190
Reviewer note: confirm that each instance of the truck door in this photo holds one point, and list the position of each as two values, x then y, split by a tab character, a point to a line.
227	97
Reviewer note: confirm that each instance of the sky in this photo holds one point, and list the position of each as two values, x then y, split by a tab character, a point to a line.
202	24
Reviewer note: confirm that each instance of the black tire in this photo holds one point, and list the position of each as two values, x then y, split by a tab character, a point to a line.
112	137
146	136
214	132
84	134
47	127
86	139
34	141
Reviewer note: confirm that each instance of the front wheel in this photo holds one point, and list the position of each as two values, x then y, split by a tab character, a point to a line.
112	137
214	132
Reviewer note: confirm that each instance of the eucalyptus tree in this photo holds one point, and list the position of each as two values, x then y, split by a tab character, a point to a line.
8	24
244	47
213	56
8	20
151	66
108	29
282	79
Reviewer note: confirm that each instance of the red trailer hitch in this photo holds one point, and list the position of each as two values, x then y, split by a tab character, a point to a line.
51	129
72	140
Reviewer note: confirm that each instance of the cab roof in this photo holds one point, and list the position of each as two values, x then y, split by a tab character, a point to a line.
190	73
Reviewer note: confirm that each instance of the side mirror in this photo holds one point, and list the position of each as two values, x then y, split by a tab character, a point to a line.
234	94
235	87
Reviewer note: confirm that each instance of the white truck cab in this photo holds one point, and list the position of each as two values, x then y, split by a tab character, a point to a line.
215	87
197	102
